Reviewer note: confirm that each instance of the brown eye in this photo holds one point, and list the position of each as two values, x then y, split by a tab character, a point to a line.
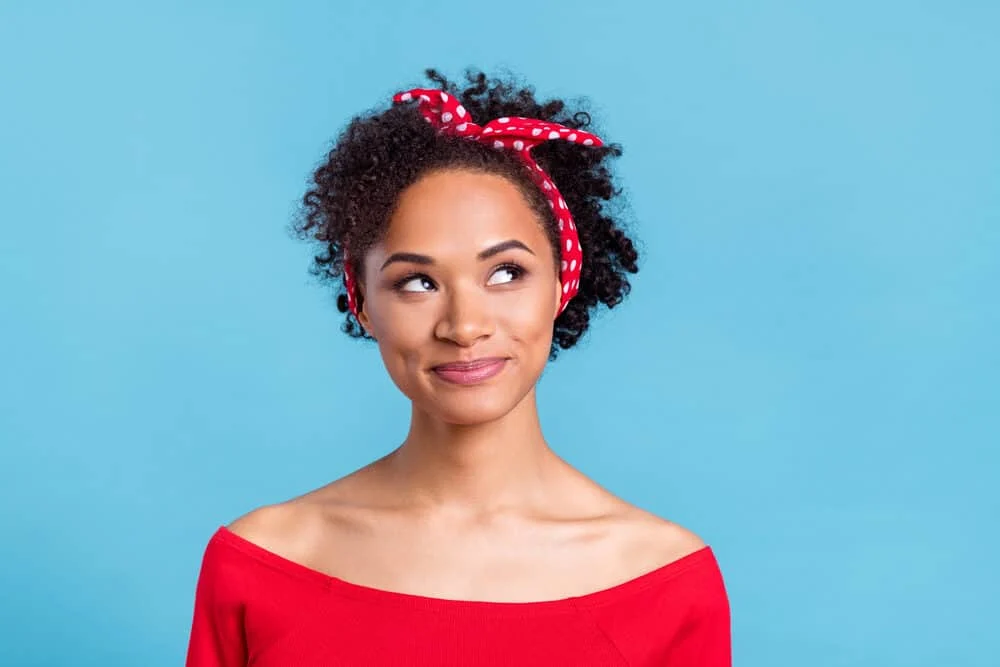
416	283
507	273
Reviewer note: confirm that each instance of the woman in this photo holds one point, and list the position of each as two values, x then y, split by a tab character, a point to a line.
470	232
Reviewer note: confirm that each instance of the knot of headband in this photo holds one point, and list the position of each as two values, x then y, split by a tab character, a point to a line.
515	133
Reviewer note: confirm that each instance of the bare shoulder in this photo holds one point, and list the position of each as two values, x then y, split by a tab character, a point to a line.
657	541
288	528
260	522
269	526
302	527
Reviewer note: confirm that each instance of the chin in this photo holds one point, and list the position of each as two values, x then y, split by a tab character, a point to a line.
470	409
470	416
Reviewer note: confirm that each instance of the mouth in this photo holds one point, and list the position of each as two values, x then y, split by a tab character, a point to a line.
470	372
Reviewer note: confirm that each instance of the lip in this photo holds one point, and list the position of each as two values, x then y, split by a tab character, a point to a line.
470	372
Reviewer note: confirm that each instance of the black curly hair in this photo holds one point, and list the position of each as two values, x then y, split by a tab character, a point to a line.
355	189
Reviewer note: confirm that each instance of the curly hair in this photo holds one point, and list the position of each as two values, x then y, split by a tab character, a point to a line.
354	191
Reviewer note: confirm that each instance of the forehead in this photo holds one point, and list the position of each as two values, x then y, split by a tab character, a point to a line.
461	211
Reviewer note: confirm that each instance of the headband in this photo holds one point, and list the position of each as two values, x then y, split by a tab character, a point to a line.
445	113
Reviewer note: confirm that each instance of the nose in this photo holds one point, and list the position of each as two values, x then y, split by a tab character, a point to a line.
466	318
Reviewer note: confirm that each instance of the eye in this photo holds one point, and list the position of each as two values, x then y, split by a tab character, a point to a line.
415	283
507	273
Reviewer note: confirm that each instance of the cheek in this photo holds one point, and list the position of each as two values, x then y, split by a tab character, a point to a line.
528	315
401	336
401	360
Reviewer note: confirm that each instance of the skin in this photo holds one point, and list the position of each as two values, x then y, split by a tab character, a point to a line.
474	504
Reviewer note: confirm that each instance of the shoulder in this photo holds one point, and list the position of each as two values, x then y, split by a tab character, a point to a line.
656	541
302	526
263	522
285	528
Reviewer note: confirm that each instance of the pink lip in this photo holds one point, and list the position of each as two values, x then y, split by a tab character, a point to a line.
470	372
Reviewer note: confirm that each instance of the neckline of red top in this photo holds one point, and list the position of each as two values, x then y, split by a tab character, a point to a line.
704	556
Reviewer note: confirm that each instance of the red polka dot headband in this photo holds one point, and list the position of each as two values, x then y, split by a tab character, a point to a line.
445	113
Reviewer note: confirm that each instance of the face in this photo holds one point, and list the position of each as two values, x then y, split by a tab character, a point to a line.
461	296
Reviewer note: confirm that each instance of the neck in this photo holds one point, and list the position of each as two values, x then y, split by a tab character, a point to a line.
484	469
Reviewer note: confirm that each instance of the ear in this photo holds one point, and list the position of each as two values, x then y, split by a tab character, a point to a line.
559	294
363	318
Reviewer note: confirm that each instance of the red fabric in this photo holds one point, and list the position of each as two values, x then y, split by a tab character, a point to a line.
253	607
516	133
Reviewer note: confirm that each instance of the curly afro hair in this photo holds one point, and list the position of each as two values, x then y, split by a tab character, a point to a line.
355	189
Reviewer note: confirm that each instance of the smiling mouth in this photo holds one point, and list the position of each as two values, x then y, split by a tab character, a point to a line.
470	372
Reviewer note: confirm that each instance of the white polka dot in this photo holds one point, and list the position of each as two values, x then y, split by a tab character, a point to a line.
572	225
446	116
518	144
461	127
460	110
562	203
569	245
547	185
552	204
488	130
560	225
535	132
553	135
572	137
572	265
503	120
538	167
564	265
444	96
565	288
405	97
427	119
588	142
425	98
498	144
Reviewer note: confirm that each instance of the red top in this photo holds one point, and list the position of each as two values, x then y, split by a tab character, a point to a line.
254	607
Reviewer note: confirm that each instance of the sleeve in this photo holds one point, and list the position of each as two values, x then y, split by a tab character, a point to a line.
705	640
217	629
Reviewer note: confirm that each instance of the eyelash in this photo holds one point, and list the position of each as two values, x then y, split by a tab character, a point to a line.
516	269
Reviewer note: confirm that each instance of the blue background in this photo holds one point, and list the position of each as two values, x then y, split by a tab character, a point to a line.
805	373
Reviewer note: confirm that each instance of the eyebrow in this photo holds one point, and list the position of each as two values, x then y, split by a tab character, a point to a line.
426	260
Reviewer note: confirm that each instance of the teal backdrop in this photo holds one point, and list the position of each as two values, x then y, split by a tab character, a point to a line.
805	373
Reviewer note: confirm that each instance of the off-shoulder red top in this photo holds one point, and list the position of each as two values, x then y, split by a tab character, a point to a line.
254	607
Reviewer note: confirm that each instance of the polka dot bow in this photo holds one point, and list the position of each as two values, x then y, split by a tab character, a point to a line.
519	134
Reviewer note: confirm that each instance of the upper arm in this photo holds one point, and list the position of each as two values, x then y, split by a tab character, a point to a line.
217	637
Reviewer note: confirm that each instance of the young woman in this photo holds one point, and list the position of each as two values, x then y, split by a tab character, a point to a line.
468	232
